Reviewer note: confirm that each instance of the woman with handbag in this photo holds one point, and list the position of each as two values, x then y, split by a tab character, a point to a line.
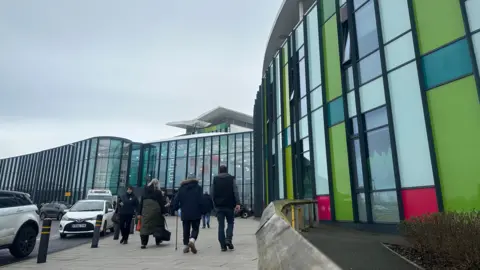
127	205
151	211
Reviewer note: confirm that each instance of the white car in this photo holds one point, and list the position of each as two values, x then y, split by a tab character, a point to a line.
80	219
19	223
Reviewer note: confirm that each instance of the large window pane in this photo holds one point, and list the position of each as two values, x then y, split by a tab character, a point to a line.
316	98
320	153
239	169
313	49
366	30
208	146
395	18
247	144
385	207
199	169
215	145
162	175
352	106
302	79
170	172
231	164
476	47
207	173
303	107
192	147
303	127
231	143
200	147
306	179
278	92
472	7
362	208
239	143
376	118
370	67
223	144
191	165
380	159
215	165
358	164
182	148
399	51
281	186
372	95
299	36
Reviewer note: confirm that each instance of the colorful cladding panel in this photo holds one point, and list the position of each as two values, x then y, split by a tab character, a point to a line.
342	194
455	120
324	209
418	202
333	82
289	172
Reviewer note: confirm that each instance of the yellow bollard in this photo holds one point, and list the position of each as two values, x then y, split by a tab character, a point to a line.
293	215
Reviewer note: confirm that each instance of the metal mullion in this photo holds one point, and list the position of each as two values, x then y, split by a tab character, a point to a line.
85	164
471	46
282	108
187	158
243	169
391	124
79	161
426	112
2	169
95	163
275	128
41	177
174	165
31	173
293	80
360	119
129	164
141	160
203	162
158	167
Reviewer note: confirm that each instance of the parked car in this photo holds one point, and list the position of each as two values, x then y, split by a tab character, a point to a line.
244	212
80	219
52	210
19	223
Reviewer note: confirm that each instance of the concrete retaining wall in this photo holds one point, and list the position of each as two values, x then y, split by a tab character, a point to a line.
280	247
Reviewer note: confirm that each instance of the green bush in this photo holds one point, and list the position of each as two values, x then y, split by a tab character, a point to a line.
450	239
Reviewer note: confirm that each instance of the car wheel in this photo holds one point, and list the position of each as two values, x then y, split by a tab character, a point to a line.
42	216
244	215
24	242
62	235
104	230
59	216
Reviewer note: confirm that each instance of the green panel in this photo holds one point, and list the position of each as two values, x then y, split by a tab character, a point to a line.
328	7
333	80
286	98
289	172
335	112
455	118
342	194
438	23
448	63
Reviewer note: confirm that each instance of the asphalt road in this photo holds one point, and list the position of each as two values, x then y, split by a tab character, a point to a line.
55	244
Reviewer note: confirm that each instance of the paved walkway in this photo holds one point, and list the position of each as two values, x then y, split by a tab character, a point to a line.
111	255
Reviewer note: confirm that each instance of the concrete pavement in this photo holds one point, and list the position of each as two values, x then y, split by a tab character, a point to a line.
111	255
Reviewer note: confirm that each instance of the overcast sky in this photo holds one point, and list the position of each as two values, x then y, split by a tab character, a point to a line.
70	70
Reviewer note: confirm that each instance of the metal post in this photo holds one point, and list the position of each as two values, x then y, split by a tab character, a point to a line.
96	231
44	239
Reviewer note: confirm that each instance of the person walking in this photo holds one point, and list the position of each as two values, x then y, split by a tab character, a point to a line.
151	211
225	197
208	204
127	205
189	201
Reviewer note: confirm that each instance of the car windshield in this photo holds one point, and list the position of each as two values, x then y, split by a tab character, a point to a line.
86	206
99	197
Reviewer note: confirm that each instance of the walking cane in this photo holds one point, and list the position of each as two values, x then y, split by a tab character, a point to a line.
176	232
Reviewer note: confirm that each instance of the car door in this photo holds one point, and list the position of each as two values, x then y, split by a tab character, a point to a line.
9	212
109	213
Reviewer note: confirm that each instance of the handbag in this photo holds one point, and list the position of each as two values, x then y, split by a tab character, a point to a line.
139	224
116	218
165	234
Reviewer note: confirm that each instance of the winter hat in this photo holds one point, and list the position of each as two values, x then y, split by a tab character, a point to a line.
191	176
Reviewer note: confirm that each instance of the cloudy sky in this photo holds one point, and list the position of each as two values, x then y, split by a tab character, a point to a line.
75	69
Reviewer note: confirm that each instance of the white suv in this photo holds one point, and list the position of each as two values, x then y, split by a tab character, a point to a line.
19	223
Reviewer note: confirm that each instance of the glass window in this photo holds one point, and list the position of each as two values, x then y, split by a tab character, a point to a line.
355	125
399	51
328	8
238	143
163	172
410	129
215	165
208	146
302	78
347	52
358	163
446	64
192	148
180	171
476	47
182	148
370	67
385	207
278	92
215	145
316	98
349	79
472	7
380	159
366	30
372	95
247	145
306	179
281	186
191	165
170	172
223	144
358	3
231	143
299	36
395	18
200	147
320	153
376	118
286	137
231	164
239	168
207	173
313	45
335	112
285	53
303	107
199	169
164	153
303	127
362	207
352	106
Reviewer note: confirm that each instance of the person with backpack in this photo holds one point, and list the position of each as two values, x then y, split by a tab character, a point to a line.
224	192
189	200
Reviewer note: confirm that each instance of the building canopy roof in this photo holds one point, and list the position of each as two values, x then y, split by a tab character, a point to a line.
213	116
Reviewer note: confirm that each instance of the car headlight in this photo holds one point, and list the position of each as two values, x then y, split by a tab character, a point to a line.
65	217
92	218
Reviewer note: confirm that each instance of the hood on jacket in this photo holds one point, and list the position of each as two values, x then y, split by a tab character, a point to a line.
189	182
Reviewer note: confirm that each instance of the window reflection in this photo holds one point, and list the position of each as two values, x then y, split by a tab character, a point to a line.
302	78
370	67
362	207
358	163
380	159
385	207
366	30
376	118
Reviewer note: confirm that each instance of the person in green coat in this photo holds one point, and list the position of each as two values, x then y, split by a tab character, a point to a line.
151	212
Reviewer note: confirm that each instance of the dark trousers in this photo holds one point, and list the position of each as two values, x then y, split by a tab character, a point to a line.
144	240
229	216
125	223
206	220
194	226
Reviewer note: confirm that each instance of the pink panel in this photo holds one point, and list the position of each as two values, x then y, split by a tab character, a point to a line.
324	212
417	202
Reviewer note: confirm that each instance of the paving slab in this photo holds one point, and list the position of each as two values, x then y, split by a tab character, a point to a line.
111	255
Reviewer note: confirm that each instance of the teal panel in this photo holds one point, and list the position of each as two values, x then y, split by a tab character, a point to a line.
446	64
335	112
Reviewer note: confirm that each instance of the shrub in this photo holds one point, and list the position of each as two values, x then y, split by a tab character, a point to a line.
450	239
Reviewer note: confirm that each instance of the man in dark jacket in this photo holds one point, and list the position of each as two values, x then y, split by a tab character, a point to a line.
127	205
225	197
189	200
208	206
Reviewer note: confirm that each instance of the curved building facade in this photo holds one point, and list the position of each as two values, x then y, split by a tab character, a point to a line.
371	107
67	172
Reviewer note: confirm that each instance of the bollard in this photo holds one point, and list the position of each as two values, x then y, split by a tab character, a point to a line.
44	238
116	234
132	225
96	231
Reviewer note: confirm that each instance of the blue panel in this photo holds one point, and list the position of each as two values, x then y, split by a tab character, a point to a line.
335	112
446	64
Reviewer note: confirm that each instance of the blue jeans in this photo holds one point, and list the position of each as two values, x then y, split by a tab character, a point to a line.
206	220
229	216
